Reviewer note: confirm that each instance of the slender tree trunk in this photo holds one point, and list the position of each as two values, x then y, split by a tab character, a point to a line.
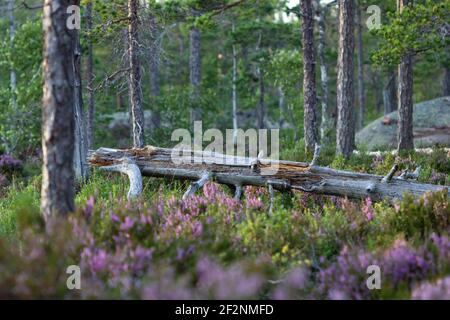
282	107
390	93
309	76
80	150
345	140
262	103
137	114
405	95
90	80
58	112
327	123
234	91
195	73
360	57
154	71
446	82
12	32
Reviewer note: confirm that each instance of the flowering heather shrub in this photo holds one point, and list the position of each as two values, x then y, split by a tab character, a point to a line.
436	290
293	285
421	217
211	246
8	164
401	268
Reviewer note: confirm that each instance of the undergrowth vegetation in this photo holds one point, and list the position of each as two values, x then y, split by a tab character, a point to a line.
213	246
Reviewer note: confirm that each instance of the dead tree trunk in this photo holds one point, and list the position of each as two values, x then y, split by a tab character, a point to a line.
309	76
239	171
57	114
137	113
90	81
80	152
327	123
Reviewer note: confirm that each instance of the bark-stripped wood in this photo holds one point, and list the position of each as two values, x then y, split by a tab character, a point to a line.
238	172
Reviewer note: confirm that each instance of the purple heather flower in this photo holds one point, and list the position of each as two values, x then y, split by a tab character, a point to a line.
438	290
89	207
367	209
197	228
127	224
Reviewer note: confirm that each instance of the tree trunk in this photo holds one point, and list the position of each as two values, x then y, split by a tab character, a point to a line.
90	80
240	171
234	91
58	113
360	57
154	71
12	32
137	114
405	94
194	74
375	84
262	103
309	76
345	95
446	81
80	150
282	107
327	123
390	93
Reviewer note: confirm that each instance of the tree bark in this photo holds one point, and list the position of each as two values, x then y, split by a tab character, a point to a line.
345	93
405	137
195	73
90	81
58	112
240	171
327	123
309	76
80	150
137	113
12	32
446	81
154	71
234	91
360	58
390	93
262	110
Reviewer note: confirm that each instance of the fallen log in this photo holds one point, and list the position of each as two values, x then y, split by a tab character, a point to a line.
237	172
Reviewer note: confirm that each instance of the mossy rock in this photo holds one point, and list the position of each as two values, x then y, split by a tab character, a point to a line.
431	122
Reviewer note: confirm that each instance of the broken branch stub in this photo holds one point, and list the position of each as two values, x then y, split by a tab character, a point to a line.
240	171
128	167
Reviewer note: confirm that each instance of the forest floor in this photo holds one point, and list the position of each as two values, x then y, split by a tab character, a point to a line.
213	246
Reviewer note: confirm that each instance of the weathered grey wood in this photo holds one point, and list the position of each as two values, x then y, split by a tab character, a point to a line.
197	185
128	167
240	171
